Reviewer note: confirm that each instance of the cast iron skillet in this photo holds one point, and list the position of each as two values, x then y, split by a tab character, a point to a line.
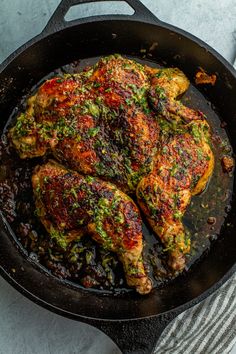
133	322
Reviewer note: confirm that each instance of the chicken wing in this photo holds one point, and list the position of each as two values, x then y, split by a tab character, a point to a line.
70	205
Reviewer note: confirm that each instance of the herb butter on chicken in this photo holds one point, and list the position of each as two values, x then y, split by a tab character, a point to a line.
71	205
122	122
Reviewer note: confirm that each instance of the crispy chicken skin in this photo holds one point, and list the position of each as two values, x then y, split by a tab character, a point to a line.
97	122
70	205
182	168
122	122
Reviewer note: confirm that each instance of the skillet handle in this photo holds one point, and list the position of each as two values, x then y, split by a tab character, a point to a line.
58	22
135	336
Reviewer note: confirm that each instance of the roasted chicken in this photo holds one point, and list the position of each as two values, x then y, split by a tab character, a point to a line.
182	168
71	205
97	122
183	164
122	122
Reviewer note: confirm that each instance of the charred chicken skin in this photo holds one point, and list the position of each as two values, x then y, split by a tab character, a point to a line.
183	164
182	168
122	122
97	122
70	205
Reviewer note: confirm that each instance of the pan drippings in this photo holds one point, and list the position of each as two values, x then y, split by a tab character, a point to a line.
85	262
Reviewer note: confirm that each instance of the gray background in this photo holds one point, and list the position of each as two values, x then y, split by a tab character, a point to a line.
24	327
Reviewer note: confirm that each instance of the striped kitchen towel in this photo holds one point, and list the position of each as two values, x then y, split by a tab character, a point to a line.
207	328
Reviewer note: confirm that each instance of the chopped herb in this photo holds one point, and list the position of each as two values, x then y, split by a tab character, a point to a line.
73	192
94	109
93	131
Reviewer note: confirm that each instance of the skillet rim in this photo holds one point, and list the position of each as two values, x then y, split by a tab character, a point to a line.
96	20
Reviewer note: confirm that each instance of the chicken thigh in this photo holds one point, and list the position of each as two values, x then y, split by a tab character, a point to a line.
70	205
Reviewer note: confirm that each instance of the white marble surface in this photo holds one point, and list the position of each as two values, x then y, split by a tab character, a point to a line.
26	328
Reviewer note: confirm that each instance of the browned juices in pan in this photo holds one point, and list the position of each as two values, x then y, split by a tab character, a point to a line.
121	124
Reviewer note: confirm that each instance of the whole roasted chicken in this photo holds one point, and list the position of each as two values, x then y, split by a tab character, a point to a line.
121	126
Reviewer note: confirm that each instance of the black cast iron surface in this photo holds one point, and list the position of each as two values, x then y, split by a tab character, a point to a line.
133	322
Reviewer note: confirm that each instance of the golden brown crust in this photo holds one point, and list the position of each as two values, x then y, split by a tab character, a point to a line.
70	205
122	122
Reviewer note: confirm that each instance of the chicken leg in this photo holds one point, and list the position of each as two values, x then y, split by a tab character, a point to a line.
70	205
183	166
